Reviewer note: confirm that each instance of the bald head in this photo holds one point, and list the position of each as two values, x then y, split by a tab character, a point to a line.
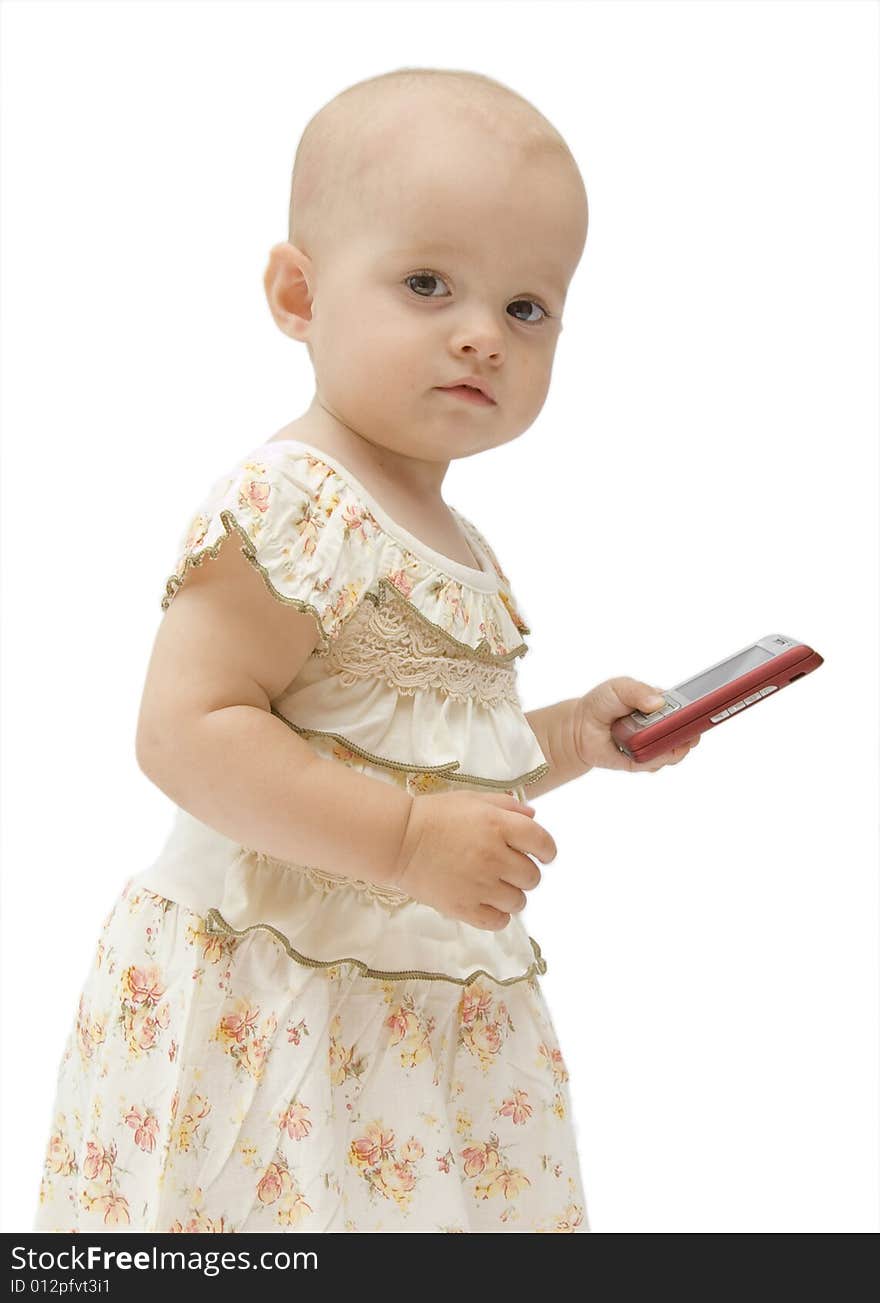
368	142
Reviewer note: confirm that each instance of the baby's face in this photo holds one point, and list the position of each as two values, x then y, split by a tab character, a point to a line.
460	267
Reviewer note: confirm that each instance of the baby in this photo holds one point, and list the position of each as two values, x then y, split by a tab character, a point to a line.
331	705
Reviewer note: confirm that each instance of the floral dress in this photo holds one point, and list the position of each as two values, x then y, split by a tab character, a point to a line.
268	1046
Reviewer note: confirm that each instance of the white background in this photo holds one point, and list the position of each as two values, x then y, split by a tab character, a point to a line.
704	472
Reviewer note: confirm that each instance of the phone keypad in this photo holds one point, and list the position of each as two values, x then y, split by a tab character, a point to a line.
657	714
741	705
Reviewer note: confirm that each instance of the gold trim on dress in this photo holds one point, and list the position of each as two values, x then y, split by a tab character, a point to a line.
215	922
212	550
444	770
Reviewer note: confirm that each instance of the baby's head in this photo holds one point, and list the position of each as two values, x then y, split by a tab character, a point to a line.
436	220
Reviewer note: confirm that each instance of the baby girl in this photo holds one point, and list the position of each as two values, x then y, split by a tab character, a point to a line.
320	1009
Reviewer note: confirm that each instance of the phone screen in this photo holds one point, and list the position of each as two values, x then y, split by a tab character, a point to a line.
724	673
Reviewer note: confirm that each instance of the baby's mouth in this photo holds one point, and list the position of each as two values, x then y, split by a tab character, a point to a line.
468	393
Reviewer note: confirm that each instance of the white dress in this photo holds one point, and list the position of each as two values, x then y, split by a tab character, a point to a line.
268	1046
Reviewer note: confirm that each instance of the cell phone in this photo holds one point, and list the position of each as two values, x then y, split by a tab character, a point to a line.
707	699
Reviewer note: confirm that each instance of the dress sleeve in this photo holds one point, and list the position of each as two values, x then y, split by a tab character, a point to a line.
292	530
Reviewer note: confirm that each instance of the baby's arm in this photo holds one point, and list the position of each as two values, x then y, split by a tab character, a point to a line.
224	650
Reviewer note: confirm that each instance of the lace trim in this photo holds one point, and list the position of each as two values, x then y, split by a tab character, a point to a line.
445	770
215	922
482	651
385	641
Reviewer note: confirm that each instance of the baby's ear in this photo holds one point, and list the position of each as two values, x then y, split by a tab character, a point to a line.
286	282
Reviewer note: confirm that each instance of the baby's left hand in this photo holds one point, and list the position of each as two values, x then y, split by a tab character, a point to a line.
596	712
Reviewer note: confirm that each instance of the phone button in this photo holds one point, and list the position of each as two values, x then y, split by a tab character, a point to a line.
657	714
740	705
756	696
716	719
765	692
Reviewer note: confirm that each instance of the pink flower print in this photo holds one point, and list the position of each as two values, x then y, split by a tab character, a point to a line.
296	1031
145	1028
372	1147
240	1023
357	519
401	581
59	1156
507	1181
449	592
113	1207
567	1221
412	1151
480	1158
308	528
143	985
476	1002
517	1108
403	1023
485	1038
554	1061
254	492
396	1181
296	1120
212	945
145	1126
254	1057
275	1182
98	1162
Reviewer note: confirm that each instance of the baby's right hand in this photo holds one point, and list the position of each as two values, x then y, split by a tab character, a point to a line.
467	855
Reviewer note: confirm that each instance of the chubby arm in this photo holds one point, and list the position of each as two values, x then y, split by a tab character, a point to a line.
206	736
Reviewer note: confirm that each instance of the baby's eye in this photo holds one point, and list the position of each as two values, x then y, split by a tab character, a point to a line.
424	276
529	320
431	276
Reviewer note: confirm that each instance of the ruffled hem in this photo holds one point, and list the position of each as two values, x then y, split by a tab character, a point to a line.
215	922
405	736
324	919
320	548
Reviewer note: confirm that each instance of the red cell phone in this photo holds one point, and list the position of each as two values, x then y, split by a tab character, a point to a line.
715	695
